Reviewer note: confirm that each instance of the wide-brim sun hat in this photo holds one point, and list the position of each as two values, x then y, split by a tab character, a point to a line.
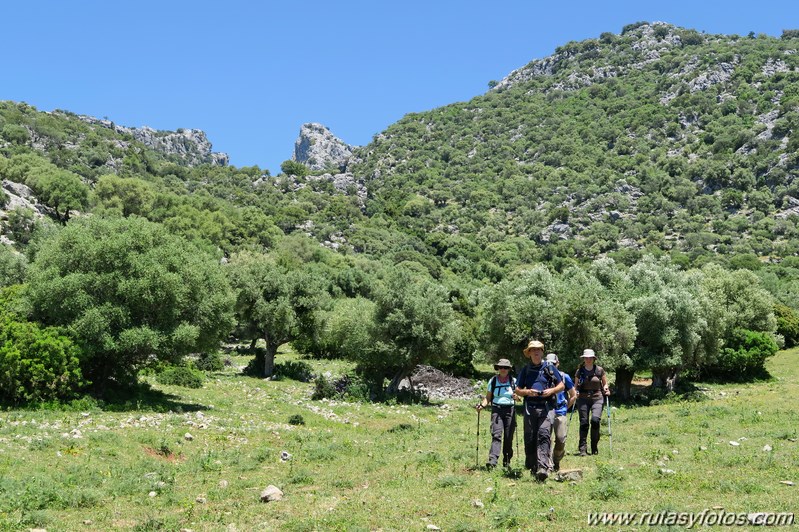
534	344
502	363
552	357
588	353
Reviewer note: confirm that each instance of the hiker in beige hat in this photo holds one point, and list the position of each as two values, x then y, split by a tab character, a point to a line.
538	384
503	413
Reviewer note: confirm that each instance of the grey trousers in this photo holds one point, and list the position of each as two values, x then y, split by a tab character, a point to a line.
590	409
503	425
537	442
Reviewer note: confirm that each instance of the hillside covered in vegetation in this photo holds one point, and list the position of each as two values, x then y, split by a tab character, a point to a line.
634	192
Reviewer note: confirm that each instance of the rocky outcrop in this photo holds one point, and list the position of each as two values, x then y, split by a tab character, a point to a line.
191	145
318	149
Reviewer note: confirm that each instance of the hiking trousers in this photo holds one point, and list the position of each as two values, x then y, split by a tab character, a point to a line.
503	425
590	410
559	428
538	421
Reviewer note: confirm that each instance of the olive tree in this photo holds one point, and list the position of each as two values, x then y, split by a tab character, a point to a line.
274	302
128	292
670	319
522	306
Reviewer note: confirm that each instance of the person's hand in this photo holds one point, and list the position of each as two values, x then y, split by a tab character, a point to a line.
479	406
606	390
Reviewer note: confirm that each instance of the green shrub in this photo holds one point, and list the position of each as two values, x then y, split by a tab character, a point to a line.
295	370
181	376
745	356
323	389
209	362
36	364
787	324
296	419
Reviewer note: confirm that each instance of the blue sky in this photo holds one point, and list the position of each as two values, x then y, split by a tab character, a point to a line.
251	73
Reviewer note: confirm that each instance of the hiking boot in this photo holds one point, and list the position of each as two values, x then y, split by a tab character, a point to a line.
583	453
490	466
541	475
594	451
556	466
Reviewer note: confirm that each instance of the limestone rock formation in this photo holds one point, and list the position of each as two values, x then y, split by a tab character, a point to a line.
191	145
318	149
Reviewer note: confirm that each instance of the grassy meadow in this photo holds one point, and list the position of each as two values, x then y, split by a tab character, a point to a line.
358	466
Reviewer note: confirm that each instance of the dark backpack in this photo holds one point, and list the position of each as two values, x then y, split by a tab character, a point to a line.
549	372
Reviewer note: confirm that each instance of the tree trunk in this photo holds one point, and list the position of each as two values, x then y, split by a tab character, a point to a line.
665	378
269	358
393	386
624	379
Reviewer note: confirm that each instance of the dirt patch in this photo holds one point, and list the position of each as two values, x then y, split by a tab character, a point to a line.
164	454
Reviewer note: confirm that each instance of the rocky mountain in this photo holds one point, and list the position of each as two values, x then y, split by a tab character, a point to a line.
319	149
658	138
190	145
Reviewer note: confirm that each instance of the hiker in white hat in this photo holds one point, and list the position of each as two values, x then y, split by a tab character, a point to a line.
592	387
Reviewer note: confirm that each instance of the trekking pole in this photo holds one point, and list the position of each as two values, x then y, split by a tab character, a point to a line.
574	407
516	432
610	432
477	451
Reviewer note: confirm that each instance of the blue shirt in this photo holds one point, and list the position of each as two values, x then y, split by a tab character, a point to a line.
536	378
502	391
563	401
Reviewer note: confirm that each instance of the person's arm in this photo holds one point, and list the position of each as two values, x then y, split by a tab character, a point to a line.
605	388
486	400
549	392
572	397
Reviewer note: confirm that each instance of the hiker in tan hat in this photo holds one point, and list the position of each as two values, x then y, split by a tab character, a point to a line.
538	383
592	387
503	413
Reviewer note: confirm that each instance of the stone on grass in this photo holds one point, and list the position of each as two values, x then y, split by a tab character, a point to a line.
201	500
271	494
767	448
188	436
432	527
786	482
152	494
734	443
285	456
666	471
569	475
477	503
223	484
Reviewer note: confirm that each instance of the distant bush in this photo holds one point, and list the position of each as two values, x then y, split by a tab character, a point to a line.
296	419
745	356
634	26
209	362
295	370
323	389
787	324
181	376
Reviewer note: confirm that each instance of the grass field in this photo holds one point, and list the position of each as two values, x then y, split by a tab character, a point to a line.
358	466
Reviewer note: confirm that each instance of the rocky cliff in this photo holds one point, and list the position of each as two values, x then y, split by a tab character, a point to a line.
191	145
319	149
